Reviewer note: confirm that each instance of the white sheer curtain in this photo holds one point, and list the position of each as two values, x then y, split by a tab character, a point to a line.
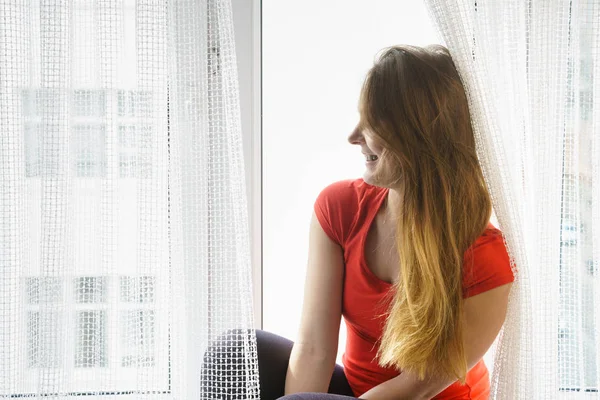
532	73
124	240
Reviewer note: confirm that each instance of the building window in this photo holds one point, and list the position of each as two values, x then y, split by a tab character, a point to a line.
88	137
134	314
138	338
90	338
89	149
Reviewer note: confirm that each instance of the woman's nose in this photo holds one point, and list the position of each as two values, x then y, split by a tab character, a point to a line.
356	136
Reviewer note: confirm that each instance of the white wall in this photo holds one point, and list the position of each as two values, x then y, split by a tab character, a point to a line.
315	55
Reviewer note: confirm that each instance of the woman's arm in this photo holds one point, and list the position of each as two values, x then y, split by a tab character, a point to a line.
313	356
485	314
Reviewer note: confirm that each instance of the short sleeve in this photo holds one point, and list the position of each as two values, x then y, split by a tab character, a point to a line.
335	209
486	264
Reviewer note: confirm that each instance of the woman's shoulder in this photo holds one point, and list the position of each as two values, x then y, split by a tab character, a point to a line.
347	196
347	185
347	190
339	204
491	241
487	263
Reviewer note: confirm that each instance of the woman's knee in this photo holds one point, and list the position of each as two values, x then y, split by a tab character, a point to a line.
231	346
226	372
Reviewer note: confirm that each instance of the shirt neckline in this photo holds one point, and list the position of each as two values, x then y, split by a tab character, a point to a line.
378	203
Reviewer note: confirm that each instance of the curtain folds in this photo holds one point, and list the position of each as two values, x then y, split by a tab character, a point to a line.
530	69
124	253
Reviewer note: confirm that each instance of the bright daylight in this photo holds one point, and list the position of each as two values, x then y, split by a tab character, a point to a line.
299	200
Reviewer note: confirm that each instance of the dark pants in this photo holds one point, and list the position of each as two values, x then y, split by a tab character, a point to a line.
223	377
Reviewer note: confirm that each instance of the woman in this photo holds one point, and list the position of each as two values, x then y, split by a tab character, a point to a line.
407	254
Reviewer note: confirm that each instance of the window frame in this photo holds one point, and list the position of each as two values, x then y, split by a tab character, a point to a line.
247	19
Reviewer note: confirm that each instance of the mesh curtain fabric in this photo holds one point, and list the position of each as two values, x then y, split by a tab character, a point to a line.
124	236
532	74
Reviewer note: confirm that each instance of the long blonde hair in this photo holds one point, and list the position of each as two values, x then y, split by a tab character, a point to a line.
414	103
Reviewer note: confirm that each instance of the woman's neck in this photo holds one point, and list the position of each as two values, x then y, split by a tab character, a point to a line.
393	204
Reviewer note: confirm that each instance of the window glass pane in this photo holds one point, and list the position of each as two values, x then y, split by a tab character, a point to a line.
37	102
45	289
89	149
91	347
134	158
90	289
128	164
44	339
89	103
137	337
32	148
127	136
137	289
133	103
28	103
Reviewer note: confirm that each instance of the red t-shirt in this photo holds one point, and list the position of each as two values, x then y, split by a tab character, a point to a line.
346	211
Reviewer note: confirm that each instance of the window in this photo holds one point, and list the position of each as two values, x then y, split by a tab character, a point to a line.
88	133
133	316
135	141
311	83
90	339
90	295
134	103
89	149
105	313
309	109
138	338
137	323
44	350
116	324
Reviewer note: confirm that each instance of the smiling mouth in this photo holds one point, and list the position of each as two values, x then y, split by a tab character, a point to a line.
371	157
